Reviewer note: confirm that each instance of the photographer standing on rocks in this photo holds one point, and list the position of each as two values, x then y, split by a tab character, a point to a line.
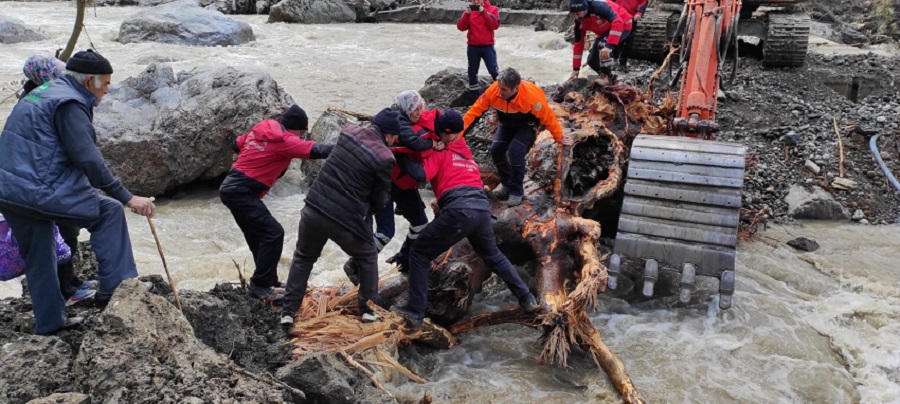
264	154
481	19
49	174
354	183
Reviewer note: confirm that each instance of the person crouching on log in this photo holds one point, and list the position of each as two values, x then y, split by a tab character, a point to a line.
264	154
612	24
521	107
465	212
353	184
406	176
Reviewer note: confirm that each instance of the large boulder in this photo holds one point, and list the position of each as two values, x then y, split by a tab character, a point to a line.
815	205
32	366
312	12
326	379
158	132
448	88
15	31
184	23
63	398
142	349
326	130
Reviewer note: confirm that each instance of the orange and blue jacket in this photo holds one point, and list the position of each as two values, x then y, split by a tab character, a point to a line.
528	107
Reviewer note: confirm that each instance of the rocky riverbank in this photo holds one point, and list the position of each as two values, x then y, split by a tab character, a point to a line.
224	347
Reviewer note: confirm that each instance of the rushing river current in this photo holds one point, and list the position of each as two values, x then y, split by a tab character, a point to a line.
820	327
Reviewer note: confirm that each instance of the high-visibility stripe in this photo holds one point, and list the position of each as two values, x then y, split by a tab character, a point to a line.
576	57
616	33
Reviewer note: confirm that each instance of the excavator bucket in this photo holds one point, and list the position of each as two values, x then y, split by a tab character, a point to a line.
682	208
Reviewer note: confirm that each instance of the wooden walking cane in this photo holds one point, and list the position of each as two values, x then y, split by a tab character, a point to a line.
163	258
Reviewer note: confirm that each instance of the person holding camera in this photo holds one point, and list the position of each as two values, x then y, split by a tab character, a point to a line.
481	19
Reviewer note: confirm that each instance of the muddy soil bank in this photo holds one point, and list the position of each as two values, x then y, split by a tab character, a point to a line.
225	347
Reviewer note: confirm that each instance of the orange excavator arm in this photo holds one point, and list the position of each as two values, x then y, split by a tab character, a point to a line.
709	25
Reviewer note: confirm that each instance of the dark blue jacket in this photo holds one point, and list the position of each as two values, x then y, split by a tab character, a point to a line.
355	181
51	164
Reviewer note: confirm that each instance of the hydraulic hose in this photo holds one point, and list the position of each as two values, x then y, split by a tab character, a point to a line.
873	146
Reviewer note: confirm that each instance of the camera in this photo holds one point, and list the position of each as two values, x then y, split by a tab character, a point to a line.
474	7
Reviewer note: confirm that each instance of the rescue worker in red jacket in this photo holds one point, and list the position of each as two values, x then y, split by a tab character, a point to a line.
405	184
610	22
481	19
264	154
636	8
465	213
521	107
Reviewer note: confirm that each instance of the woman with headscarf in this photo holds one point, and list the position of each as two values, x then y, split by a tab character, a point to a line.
40	69
407	174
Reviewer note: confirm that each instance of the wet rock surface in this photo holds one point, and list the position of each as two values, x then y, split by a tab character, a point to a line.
325	378
14	31
312	12
158	131
804	244
184	23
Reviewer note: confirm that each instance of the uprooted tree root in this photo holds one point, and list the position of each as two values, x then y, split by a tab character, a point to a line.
569	275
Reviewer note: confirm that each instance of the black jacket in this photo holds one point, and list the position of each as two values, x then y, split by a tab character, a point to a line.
355	180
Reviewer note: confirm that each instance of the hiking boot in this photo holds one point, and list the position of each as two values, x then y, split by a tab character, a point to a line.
267	294
529	304
71	323
501	192
370	317
514	200
81	295
89	284
414	320
352	271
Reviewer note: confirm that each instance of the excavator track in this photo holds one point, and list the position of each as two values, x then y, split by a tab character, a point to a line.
681	208
652	36
787	40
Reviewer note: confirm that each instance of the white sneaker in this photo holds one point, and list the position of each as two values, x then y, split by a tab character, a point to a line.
514	200
370	317
287	320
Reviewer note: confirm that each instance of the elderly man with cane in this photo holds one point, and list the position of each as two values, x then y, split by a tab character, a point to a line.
50	174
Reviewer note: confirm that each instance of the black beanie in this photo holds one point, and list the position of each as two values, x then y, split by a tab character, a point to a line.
577	5
89	62
388	122
449	122
295	118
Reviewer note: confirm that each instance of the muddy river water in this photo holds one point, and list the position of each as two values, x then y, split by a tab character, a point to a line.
820	327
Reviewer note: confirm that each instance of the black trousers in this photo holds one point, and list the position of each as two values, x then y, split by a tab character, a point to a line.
447	229
315	230
264	235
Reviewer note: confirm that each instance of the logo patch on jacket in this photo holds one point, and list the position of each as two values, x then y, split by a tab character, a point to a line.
538	105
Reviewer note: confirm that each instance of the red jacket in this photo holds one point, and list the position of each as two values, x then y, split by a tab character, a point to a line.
424	128
266	151
480	24
602	18
451	168
633	7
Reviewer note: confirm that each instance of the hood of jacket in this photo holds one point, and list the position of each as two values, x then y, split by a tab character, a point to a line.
268	130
